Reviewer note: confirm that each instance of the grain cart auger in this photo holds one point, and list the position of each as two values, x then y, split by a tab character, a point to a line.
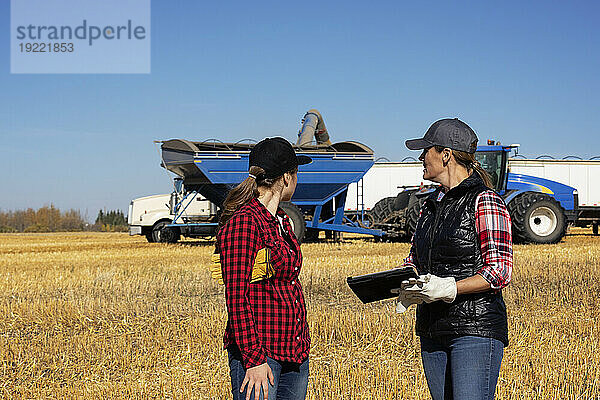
313	126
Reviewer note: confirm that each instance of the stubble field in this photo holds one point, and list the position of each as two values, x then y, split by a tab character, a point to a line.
100	315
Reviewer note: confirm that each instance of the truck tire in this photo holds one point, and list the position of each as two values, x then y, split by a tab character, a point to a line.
165	235
296	218
169	235
537	218
149	236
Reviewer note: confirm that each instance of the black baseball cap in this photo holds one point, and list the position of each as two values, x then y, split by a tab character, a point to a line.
275	156
449	132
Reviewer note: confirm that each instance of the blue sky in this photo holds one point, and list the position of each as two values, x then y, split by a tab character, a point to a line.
380	73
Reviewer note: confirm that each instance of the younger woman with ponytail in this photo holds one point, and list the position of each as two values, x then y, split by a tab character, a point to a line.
266	337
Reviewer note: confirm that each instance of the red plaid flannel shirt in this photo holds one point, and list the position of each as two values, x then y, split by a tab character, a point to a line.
492	223
265	318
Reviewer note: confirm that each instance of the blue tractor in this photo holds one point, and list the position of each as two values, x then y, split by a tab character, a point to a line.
540	209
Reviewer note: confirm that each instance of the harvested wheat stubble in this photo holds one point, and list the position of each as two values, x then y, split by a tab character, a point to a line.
101	315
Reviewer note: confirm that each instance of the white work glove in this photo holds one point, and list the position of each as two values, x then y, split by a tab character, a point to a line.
406	299
404	302
430	288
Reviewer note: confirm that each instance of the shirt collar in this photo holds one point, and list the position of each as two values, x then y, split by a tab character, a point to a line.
264	212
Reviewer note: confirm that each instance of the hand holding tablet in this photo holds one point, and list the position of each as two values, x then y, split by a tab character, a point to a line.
381	285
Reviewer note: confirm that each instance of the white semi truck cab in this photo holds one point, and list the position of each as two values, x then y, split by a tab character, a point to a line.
153	216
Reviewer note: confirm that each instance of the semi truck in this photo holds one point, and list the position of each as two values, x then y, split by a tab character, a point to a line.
148	216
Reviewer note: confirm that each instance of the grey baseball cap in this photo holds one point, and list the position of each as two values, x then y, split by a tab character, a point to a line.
449	132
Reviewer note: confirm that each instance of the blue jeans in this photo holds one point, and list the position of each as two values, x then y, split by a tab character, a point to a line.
291	379
462	368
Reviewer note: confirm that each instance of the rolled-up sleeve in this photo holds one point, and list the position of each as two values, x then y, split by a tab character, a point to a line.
493	225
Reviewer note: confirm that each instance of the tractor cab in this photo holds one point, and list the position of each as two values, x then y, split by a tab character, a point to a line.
494	160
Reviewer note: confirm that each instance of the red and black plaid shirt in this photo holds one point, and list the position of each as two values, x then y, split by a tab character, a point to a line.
492	223
265	318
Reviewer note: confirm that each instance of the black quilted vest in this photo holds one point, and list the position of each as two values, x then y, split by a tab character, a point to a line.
446	244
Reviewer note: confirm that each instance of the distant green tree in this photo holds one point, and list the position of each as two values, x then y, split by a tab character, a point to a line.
113	220
100	217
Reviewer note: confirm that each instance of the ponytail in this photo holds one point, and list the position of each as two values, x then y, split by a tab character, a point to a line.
487	180
240	195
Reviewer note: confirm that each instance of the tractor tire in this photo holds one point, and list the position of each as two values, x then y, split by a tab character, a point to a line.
160	234
296	218
401	201
412	213
537	218
382	209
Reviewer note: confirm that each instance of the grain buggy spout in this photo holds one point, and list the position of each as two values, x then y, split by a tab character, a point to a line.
211	168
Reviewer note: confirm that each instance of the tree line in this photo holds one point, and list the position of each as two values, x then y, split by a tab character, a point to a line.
51	219
111	220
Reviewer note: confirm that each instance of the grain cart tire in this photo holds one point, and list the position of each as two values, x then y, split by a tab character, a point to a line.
296	218
311	235
537	218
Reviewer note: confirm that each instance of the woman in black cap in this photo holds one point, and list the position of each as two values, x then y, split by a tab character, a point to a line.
267	335
462	247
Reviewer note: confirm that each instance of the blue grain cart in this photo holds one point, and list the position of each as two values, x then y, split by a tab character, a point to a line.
212	168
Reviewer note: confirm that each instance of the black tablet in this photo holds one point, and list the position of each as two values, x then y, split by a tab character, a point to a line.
378	286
